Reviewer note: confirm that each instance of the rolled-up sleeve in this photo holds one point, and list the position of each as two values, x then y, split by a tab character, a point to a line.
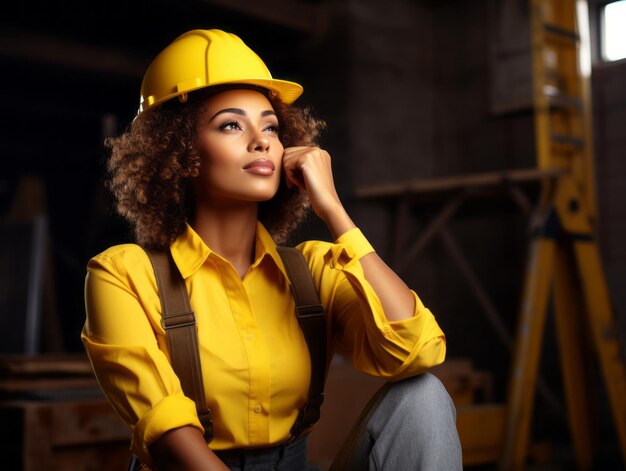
390	349
122	346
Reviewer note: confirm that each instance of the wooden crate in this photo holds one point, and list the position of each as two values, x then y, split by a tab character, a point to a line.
481	429
62	435
53	417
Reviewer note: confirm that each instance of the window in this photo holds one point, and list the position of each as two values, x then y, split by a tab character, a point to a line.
613	31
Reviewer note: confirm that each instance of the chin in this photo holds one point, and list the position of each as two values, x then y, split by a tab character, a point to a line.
266	197
264	194
245	193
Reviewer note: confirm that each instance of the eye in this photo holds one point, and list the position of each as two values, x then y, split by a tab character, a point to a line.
230	126
273	128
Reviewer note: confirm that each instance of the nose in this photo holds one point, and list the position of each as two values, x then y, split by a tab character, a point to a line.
259	143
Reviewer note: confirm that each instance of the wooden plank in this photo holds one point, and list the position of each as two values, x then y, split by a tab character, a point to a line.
435	226
459	182
16	386
75	364
113	456
37	449
86	422
480	429
33	47
24	375
67	423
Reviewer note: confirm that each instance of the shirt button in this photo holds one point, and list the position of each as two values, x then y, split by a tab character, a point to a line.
257	409
250	336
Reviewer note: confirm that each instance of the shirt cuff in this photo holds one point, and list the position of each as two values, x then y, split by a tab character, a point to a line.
170	413
355	243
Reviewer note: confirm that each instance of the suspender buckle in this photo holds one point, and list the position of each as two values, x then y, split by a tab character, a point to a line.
311	310
175	321
308	416
207	422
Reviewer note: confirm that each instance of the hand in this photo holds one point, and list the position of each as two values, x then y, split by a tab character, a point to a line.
309	168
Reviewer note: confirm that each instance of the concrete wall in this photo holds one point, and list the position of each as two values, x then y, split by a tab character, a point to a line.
391	97
609	95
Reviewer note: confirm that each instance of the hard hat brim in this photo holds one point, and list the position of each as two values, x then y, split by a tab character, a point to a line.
284	90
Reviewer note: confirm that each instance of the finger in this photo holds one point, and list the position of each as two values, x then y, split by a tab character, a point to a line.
289	169
291	150
293	176
289	157
302	151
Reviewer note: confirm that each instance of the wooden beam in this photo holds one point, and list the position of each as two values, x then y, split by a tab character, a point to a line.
52	50
442	218
459	182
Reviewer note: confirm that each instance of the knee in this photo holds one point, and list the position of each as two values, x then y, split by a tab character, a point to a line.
422	395
417	417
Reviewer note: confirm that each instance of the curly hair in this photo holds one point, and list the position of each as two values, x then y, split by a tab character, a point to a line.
152	165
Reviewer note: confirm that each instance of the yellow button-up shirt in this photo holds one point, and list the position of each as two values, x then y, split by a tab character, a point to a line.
255	362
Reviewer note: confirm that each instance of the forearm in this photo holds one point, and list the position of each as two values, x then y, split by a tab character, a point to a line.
309	168
395	296
184	449
397	300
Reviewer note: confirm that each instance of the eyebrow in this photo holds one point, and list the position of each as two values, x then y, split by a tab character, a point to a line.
241	112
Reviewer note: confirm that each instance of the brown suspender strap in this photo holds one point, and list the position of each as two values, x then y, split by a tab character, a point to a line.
310	313
179	322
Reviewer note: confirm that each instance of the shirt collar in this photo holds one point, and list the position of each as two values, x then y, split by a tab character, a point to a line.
265	245
190	252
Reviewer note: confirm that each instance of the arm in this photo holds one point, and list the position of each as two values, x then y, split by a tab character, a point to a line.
184	449
310	169
377	320
120	336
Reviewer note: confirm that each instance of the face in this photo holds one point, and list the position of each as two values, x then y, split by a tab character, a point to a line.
240	153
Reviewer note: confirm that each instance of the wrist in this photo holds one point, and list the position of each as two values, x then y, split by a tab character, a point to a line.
338	221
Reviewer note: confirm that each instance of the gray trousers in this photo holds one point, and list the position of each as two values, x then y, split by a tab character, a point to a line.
408	425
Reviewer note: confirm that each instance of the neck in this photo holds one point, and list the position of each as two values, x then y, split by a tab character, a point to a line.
230	232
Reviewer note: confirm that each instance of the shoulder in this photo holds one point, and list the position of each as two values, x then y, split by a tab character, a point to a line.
121	259
121	267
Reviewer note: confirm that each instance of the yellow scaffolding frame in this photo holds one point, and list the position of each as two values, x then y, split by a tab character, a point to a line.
564	259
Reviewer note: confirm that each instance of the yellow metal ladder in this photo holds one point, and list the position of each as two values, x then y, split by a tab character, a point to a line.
564	261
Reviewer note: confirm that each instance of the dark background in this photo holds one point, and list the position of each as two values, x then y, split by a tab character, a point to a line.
409	89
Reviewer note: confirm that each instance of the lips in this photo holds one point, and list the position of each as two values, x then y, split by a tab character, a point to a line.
260	167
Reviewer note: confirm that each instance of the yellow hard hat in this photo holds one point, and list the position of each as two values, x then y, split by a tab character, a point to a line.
203	58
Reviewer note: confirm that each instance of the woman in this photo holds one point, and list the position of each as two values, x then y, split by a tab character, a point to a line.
216	148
